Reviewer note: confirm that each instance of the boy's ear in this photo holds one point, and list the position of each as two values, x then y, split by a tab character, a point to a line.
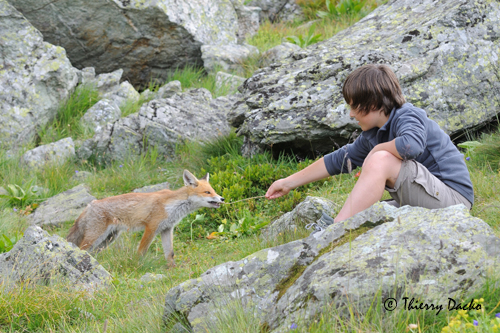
189	179
205	177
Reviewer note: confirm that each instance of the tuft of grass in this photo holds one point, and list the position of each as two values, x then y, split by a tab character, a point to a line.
67	121
196	77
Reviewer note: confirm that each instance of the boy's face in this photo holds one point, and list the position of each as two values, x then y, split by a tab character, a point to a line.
375	118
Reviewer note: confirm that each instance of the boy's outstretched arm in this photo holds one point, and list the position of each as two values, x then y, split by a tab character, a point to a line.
315	171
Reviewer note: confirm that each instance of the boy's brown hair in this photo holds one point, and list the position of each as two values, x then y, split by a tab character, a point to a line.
373	87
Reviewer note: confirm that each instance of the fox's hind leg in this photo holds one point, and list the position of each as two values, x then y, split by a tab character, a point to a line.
167	240
107	237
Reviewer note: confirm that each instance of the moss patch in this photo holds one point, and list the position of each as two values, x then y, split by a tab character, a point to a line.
297	269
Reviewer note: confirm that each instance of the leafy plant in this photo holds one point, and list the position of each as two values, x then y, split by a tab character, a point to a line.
6	243
17	196
470	145
306	40
342	9
246	226
199	218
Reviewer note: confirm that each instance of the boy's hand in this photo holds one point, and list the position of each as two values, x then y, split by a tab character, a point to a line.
277	189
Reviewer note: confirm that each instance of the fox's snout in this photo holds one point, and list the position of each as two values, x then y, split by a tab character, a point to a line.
215	201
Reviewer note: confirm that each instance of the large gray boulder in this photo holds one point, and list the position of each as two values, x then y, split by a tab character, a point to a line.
34	78
161	123
308	211
55	153
39	258
147	39
378	253
64	207
445	54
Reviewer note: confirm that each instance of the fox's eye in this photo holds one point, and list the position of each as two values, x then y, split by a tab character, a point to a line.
207	192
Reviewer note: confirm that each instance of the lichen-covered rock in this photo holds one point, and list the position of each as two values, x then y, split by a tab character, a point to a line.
108	82
228	58
278	10
278	53
124	93
57	152
152	188
434	254
228	82
43	259
444	53
308	211
257	280
248	20
64	207
162	123
430	253
168	90
34	78
147	39
101	113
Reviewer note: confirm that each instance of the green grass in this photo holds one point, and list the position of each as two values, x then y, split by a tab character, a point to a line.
67	121
128	306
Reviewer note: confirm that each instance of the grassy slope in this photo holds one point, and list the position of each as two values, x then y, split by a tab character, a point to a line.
133	306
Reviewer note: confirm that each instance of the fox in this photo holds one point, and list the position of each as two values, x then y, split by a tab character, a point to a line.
102	221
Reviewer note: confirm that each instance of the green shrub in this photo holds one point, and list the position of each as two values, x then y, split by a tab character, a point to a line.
238	178
18	196
343	8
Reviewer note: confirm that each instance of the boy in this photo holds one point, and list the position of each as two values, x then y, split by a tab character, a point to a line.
400	150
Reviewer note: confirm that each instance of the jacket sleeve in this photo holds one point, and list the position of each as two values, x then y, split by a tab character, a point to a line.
356	152
411	135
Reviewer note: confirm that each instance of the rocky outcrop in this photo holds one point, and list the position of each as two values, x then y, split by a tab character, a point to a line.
381	252
64	207
228	58
308	211
278	10
444	53
161	123
34	78
147	39
279	53
103	112
227	82
54	153
39	258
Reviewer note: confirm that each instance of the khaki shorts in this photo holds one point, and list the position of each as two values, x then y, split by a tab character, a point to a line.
416	186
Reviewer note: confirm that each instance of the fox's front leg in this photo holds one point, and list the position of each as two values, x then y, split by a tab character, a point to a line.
147	238
167	240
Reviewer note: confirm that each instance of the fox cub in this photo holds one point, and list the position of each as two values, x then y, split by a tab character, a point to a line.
157	213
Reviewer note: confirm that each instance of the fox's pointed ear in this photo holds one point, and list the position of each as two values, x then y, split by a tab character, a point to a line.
189	179
205	177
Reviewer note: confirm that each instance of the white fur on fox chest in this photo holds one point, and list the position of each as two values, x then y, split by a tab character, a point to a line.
176	211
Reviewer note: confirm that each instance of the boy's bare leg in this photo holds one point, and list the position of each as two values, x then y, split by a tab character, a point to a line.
379	169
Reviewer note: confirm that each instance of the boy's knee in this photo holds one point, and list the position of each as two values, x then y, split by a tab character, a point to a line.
382	160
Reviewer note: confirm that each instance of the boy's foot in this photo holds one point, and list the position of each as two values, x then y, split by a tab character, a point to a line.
324	221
